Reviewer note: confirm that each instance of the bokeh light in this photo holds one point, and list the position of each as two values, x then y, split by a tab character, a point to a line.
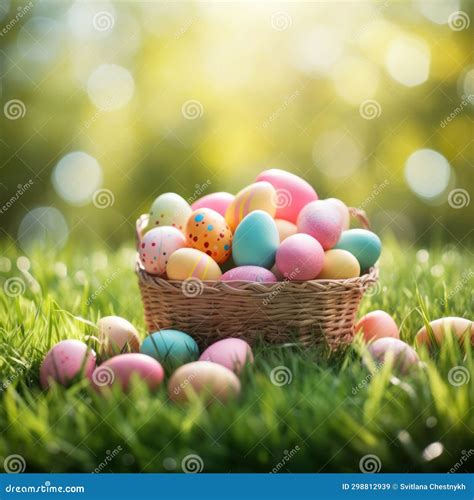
110	87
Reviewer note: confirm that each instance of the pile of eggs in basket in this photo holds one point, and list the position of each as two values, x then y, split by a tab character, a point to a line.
274	229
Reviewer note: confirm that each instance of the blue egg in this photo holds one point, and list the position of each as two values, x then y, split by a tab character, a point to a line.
256	240
171	348
364	245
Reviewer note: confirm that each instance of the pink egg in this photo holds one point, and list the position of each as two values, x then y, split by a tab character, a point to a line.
157	246
377	325
249	273
341	207
404	356
216	201
121	368
300	257
321	221
293	192
231	353
66	360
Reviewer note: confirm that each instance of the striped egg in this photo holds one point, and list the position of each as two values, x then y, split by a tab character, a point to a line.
169	209
208	231
191	263
156	247
257	196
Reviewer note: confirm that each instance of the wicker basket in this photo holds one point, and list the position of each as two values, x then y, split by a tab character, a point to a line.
317	311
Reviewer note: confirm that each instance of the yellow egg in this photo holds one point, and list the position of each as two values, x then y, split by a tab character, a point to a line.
169	209
191	263
208	231
339	264
258	196
285	228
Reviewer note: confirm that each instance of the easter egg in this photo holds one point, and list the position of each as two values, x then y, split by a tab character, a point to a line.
377	325
277	273
321	221
256	240
257	196
65	361
231	353
363	244
339	264
156	247
219	202
249	273
191	263
210	381
341	207
171	348
120	370
207	230
117	335
292	192
169	209
300	257
459	327
285	228
404	357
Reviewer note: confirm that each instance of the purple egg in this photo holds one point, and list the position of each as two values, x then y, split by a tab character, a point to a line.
231	353
404	356
249	273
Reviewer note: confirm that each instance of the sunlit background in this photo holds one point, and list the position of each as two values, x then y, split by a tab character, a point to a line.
105	105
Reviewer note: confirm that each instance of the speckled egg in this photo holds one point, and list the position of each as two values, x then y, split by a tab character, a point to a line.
117	335
256	240
292	192
219	202
171	348
156	247
343	210
65	361
123	368
249	273
207	230
376	325
231	353
321	221
257	196
204	379
285	228
169	209
363	244
405	358
459	327
339	264
191	263
300	257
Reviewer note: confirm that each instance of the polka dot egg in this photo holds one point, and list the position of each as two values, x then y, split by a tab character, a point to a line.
156	247
208	232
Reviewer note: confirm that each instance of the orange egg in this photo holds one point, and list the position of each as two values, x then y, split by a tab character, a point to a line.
377	325
208	232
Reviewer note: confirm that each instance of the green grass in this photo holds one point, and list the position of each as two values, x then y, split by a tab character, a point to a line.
333	413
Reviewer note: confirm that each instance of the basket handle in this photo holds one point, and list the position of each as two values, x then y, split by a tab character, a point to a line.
142	223
361	216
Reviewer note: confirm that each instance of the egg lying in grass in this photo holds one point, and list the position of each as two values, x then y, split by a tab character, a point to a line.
285	228
257	196
156	247
460	328
404	357
117	335
321	221
339	264
66	361
123	368
188	263
377	325
231	353
219	202
363	244
169	209
206	230
204	379
300	257
171	348
249	273
292	192
256	241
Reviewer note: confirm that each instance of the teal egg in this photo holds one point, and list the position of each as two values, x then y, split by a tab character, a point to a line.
256	240
171	348
364	245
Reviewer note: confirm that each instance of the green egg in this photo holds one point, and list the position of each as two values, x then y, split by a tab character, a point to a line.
171	348
363	244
